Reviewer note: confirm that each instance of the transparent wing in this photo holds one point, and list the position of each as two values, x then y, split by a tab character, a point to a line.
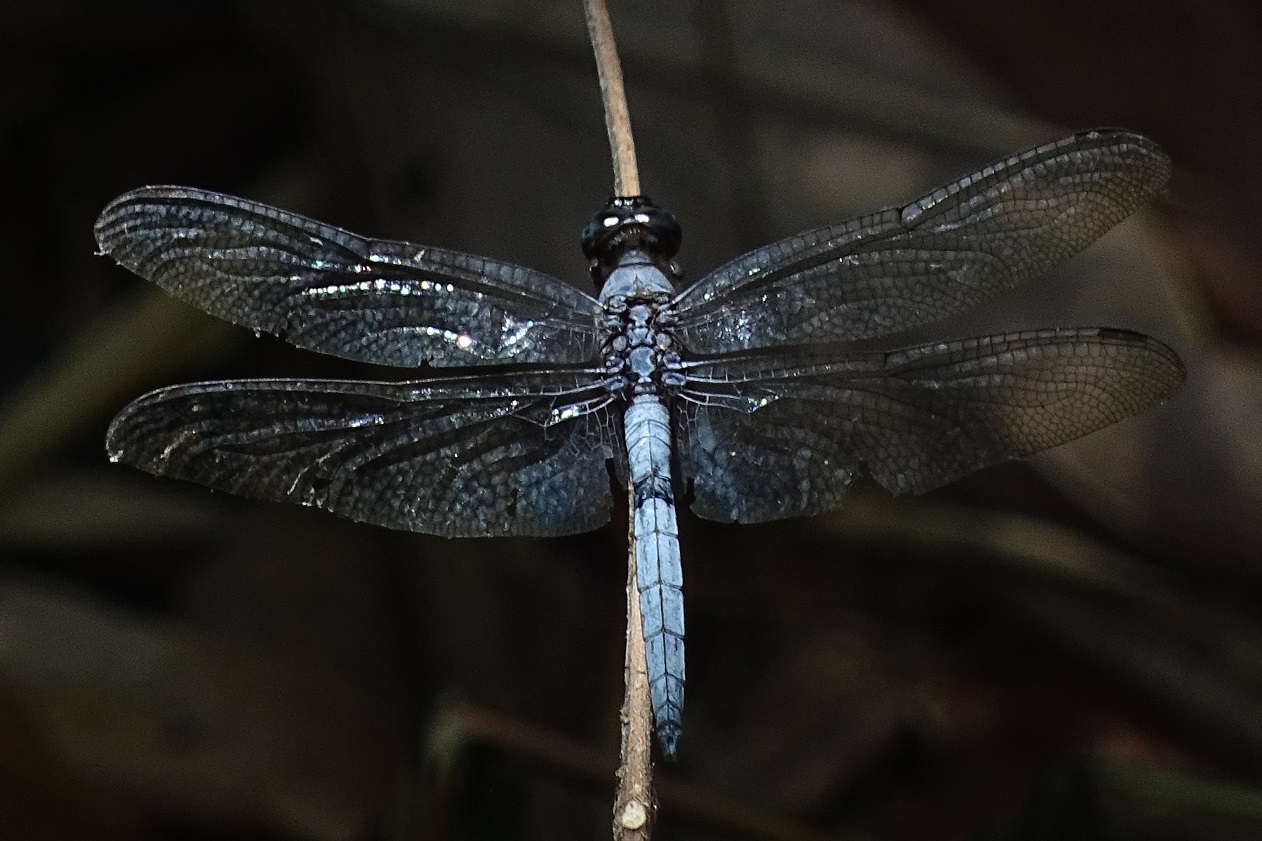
329	290
762	437
906	266
519	454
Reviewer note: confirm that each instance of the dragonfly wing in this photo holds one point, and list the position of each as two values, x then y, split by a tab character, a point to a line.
764	436
520	454
907	266
327	289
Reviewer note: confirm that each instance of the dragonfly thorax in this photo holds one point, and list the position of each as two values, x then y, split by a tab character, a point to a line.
640	345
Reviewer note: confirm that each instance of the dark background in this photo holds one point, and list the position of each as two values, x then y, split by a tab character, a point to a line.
1069	649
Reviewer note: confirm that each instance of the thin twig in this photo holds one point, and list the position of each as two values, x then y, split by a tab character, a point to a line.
460	725
626	176
634	804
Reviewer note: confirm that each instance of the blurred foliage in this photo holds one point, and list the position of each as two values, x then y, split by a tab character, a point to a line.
1071	651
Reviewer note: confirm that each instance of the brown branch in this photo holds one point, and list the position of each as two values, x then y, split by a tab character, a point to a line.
634	804
461	724
626	176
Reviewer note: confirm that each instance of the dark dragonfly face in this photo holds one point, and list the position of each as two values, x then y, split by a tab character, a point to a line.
769	410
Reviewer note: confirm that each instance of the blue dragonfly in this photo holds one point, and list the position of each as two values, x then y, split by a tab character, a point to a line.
750	395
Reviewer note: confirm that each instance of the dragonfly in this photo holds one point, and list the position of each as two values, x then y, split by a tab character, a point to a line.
750	395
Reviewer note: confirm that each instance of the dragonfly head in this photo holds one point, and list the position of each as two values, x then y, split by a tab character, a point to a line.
630	222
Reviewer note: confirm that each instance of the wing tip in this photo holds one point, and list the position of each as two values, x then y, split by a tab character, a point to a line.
1162	165
111	227
125	443
1166	366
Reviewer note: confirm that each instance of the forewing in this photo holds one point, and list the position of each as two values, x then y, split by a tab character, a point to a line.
327	289
523	454
763	438
906	266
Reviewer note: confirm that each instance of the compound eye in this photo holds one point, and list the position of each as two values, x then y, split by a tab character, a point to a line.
628	219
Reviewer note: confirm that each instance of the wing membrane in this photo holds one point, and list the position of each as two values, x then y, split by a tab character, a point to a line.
906	266
763	438
329	290
520	454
